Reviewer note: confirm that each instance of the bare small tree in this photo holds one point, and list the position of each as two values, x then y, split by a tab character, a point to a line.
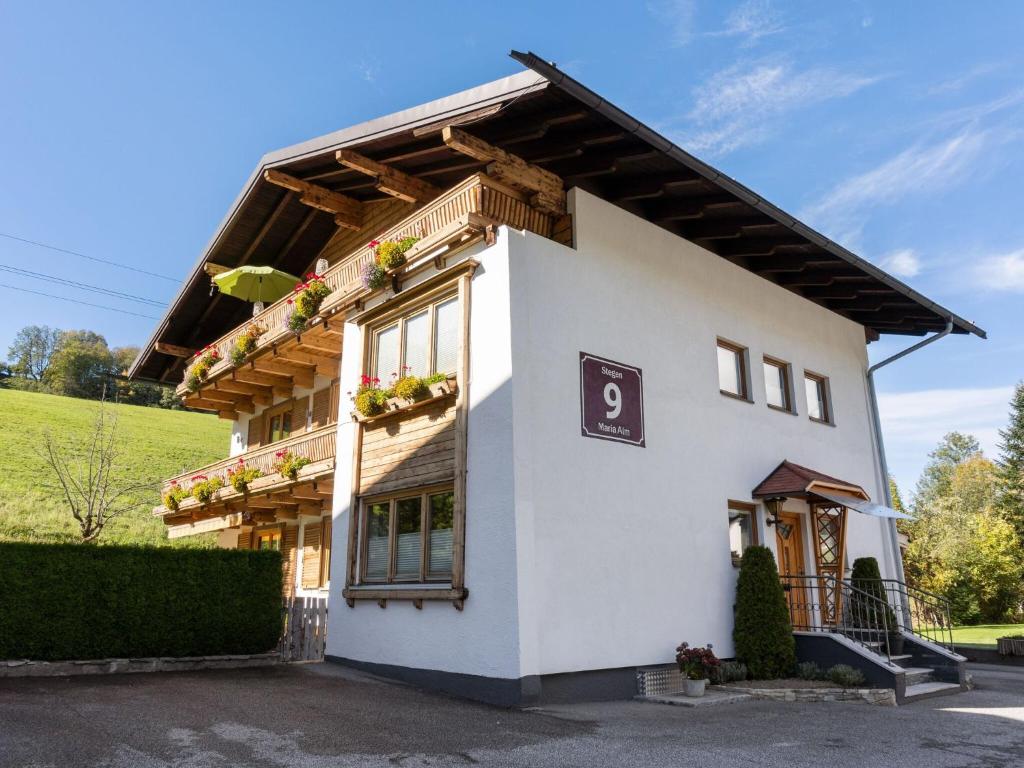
93	493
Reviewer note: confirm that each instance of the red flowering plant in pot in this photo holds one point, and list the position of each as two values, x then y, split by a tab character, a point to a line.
697	664
388	255
204	360
288	463
306	300
371	399
240	475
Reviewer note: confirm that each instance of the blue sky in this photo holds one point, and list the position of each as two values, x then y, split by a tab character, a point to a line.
894	128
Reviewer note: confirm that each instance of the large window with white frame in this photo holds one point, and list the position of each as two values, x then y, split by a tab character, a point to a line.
423	342
407	536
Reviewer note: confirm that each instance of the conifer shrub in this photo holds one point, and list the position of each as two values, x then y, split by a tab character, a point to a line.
870	613
762	633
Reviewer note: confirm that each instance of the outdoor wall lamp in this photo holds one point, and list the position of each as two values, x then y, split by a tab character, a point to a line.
774	505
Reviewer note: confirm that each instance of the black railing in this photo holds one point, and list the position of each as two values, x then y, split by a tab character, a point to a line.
827	604
872	613
920	613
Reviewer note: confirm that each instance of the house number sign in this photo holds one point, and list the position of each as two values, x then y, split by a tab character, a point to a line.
611	400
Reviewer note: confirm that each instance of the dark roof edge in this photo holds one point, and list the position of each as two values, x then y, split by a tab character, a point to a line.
452	105
579	91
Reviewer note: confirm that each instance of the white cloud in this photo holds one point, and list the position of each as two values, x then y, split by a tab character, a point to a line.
914	422
679	15
751	20
734	108
902	263
921	169
1002	272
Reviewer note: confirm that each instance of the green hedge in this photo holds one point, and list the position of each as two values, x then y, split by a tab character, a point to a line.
78	601
762	633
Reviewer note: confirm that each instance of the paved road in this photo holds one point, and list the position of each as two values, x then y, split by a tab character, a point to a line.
322	716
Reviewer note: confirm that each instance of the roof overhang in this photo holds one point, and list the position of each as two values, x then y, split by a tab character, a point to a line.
553	121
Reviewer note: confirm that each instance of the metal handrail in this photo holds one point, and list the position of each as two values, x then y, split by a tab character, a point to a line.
829	604
923	613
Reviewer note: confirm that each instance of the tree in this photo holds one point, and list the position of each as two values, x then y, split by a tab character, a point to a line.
762	632
961	547
87	478
954	449
31	351
1011	464
81	366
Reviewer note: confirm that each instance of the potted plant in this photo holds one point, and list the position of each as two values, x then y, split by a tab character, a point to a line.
305	301
388	255
697	665
370	399
205	359
246	343
241	475
288	464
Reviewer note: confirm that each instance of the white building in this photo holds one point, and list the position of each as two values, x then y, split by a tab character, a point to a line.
634	344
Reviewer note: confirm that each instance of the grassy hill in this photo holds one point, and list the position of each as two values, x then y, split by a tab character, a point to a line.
156	444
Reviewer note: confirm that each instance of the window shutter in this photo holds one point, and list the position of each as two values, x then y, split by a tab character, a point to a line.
255	431
289	558
322	406
311	556
299	408
245	540
334	397
325	557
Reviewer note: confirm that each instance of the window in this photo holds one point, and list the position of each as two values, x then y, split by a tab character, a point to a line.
269	539
818	406
742	529
777	384
408	537
422	343
732	370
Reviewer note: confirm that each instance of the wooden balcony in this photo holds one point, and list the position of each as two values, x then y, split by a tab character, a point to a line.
270	497
284	359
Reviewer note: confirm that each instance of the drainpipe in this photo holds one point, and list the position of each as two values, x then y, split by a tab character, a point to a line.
877	424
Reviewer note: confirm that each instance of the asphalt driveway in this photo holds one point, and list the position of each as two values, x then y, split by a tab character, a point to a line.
323	716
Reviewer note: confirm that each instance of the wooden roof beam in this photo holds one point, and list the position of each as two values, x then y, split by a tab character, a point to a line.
390	181
546	188
173	350
348	212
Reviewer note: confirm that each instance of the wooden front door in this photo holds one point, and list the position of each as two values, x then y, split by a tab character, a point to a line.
789	543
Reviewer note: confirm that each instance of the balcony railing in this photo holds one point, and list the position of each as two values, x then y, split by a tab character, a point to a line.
464	210
317	446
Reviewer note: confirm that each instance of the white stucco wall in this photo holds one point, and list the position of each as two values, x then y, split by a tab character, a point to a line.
481	639
623	551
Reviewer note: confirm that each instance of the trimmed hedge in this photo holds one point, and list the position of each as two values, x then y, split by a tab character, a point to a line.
78	601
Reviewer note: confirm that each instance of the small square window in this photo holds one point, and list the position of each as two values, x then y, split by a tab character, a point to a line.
742	529
777	385
818	406
732	370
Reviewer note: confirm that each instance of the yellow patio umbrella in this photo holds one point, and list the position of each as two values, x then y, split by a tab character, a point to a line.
256	284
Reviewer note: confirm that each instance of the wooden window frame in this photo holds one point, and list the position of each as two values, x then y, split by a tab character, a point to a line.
268	417
742	354
269	533
789	400
828	416
400	319
755	538
392	498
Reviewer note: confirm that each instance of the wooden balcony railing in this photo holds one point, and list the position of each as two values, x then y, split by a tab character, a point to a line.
464	210
317	445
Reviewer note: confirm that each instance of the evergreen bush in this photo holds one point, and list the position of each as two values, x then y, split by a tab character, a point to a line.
78	601
867	613
762	633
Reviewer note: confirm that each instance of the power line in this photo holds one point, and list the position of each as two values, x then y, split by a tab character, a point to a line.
82	286
90	258
76	301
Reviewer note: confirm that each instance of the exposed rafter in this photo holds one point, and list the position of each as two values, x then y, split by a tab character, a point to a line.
390	181
348	212
547	188
173	350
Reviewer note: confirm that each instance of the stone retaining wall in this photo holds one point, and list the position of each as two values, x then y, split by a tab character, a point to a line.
27	668
881	696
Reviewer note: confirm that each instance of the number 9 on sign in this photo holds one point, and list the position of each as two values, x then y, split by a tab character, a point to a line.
613	399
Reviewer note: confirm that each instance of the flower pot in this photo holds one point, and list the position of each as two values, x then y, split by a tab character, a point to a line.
896	643
694	688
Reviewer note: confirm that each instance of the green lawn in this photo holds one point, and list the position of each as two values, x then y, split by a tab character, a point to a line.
985	634
157	444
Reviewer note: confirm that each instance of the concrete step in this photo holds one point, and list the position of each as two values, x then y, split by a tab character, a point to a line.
927	690
902	660
918	675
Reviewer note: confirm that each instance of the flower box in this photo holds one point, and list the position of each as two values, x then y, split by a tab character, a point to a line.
395	405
